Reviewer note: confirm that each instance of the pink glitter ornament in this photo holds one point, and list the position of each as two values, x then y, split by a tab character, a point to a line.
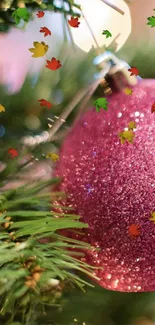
112	187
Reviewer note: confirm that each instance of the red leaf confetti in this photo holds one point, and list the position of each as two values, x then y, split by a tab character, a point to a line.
53	64
134	230
134	71
74	22
40	14
44	102
45	30
153	108
12	152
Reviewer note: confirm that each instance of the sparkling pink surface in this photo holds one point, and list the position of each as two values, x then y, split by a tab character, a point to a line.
112	186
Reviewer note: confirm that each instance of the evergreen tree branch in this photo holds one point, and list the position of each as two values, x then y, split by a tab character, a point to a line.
8	6
29	264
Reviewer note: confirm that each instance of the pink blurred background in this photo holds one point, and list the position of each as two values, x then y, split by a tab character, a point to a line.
16	60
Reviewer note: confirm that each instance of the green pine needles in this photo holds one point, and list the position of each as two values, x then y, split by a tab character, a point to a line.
34	269
7	7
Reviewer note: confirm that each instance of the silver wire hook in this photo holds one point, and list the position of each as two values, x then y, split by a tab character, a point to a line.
115	65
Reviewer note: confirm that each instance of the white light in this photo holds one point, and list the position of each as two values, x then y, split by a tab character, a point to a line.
102	17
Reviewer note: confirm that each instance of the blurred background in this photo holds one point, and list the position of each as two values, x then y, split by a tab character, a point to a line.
25	125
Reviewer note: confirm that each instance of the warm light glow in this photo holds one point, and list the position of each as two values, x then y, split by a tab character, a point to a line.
100	17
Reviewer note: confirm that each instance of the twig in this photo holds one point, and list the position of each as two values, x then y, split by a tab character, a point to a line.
60	135
66	112
90	93
85	101
92	34
113	7
74	102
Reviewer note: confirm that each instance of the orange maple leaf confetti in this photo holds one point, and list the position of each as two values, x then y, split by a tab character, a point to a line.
40	14
12	152
134	230
74	22
44	102
153	108
46	31
134	71
53	64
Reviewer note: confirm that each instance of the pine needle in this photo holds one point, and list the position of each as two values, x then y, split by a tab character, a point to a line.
22	249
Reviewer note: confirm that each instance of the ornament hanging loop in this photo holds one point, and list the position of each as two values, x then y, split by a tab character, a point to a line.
118	76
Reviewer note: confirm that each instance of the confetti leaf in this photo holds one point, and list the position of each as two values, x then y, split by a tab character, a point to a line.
20	13
74	22
151	21
153	108
53	64
153	216
134	71
134	230
101	103
107	33
40	14
132	125
2	108
71	2
12	152
126	136
53	156
128	91
39	49
45	30
45	103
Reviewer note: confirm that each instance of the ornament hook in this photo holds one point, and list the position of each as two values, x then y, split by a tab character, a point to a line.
118	70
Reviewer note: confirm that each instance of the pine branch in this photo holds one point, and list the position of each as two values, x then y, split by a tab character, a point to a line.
30	265
8	6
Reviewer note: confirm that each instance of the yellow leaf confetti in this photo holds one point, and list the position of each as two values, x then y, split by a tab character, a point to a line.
126	136
2	109
39	49
153	216
53	156
128	91
132	125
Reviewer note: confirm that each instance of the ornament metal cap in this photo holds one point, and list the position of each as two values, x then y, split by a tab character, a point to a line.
118	75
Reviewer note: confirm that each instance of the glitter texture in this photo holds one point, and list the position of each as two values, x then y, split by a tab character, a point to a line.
115	188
